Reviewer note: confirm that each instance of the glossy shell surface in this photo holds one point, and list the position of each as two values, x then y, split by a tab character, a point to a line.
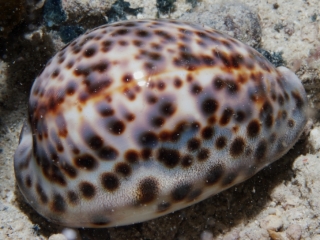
136	119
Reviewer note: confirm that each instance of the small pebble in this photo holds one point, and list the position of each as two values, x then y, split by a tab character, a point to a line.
294	232
57	237
271	222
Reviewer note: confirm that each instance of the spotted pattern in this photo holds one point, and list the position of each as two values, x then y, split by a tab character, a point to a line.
137	119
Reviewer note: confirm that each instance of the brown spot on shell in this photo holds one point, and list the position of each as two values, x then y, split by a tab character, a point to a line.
237	147
41	193
214	174
123	168
291	123
58	204
169	157
207	132
253	128
193	144
131	156
116	127
164	206
221	142
186	161
73	197
226	116
110	181
108	153
261	151
87	190
148	139
86	162
209	106
203	154
181	192
148	190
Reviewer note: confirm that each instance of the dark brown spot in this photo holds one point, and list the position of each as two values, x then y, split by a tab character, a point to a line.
298	99
218	83
123	168
239	116
193	144
55	73
261	151
100	67
127	78
28	181
203	154
71	87
108	153
214	174
155	56
146	153
232	87
164	206
137	43
187	61
226	116
157	121
148	139
177	83
167	109
87	190
122	31
284	114
230	177
95	142
105	111
266	110
237	147
100	221
130	117
221	142
129	93
207	132
291	123
89	52
123	43
196	89
164	35
131	156
169	157
110	181
116	127
281	100
161	85
209	106
106	45
70	64
69	170
76	49
181	192
42	194
253	128
148	190
194	194
186	161
142	33
58	204
152	99
82	70
73	197
85	162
